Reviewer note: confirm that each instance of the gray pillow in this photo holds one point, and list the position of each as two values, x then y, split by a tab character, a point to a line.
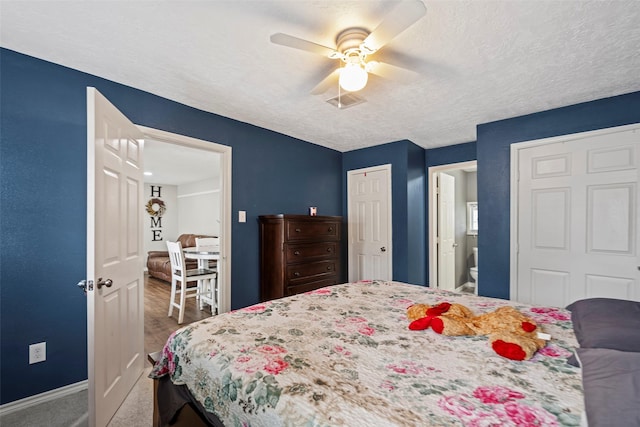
611	383
607	323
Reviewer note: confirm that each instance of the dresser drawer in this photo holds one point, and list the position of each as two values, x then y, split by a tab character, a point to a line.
305	230
302	272
301	252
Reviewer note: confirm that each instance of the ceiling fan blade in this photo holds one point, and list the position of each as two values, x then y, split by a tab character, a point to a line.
327	83
392	72
297	43
400	18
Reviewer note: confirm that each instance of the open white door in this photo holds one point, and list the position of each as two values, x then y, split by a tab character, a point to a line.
115	290
446	232
369	217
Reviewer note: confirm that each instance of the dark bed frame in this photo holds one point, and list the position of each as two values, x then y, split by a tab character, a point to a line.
189	415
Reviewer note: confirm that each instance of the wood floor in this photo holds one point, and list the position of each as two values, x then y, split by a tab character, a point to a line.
157	325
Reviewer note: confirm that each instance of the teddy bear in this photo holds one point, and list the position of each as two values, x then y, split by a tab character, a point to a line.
511	334
454	316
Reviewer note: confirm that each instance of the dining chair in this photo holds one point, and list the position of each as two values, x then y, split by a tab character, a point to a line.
208	241
213	264
211	242
204	277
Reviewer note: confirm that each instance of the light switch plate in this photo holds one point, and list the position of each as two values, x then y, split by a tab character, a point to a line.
242	216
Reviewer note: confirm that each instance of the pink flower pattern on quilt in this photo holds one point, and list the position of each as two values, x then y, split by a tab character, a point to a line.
266	357
496	406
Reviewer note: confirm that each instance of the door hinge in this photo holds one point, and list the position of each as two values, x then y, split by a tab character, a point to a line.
86	285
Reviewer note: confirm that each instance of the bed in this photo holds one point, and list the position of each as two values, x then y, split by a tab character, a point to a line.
344	356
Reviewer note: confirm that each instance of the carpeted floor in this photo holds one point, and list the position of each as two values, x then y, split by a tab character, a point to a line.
71	410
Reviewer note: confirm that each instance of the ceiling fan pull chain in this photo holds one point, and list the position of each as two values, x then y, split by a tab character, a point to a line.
339	95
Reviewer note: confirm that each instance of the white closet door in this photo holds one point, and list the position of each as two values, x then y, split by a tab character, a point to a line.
370	249
578	220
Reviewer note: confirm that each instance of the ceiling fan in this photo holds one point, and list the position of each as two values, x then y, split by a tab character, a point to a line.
354	45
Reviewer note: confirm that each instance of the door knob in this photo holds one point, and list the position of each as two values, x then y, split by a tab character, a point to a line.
455	245
106	283
383	249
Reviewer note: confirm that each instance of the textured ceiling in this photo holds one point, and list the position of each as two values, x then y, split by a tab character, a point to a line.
478	61
172	164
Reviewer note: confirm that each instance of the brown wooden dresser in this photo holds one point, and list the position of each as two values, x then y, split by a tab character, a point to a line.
298	253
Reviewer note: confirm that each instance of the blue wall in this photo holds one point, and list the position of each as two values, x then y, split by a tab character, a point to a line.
494	140
416	216
43	206
408	202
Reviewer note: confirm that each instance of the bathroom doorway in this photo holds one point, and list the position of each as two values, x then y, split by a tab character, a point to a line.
453	227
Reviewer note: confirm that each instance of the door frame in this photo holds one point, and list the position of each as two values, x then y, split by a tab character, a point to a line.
433	171
224	281
351	224
514	196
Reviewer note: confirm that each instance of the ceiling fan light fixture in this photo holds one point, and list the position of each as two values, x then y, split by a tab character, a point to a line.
353	77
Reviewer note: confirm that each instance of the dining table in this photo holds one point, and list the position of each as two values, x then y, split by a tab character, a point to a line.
203	254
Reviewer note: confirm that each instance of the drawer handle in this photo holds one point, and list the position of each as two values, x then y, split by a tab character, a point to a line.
296	253
297	230
329	249
328	268
330	229
297	274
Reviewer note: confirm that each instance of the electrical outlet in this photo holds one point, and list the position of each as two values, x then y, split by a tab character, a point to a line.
37	352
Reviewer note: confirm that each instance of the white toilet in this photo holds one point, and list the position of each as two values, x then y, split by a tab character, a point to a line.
474	270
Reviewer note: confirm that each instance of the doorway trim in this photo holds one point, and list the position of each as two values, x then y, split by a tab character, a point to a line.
224	281
433	214
514	194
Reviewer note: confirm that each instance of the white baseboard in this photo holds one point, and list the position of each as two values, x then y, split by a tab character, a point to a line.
47	396
466	284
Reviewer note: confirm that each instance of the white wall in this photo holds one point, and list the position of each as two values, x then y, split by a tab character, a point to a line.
472	186
199	207
169	221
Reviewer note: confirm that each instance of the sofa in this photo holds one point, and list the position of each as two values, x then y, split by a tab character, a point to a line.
159	265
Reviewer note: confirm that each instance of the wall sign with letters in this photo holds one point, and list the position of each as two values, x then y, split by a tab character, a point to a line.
156	208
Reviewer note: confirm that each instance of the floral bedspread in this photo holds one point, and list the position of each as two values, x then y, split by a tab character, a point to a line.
344	356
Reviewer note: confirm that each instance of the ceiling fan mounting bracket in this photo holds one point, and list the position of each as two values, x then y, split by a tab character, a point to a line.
349	43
